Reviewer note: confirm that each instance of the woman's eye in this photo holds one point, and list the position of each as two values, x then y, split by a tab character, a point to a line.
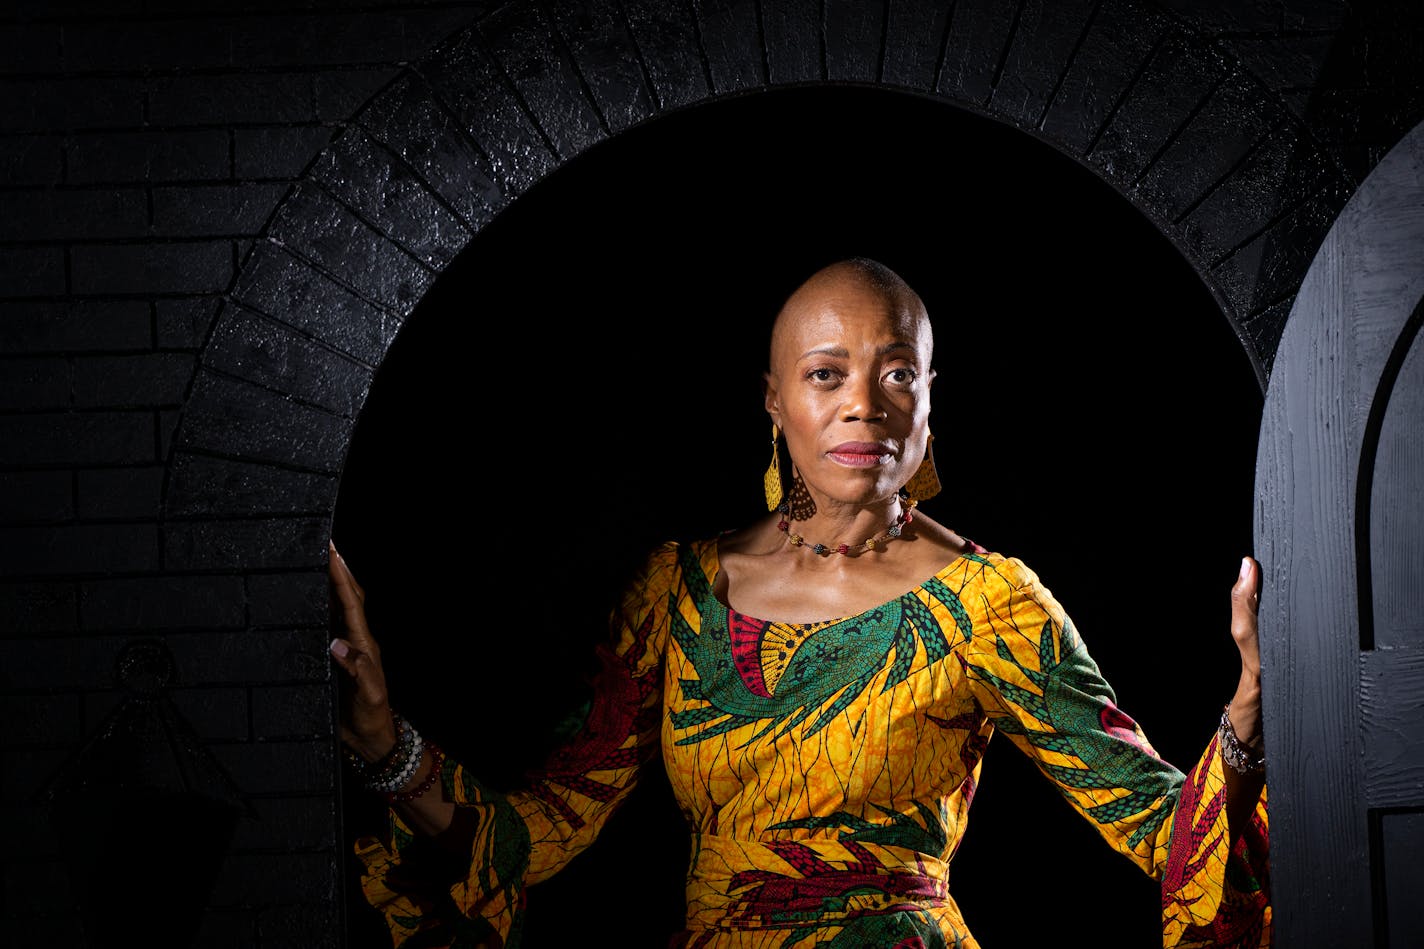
902	376
821	375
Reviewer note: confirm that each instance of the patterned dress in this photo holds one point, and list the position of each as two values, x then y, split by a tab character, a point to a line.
826	770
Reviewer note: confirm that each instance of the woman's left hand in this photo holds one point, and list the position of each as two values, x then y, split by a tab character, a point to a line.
1245	601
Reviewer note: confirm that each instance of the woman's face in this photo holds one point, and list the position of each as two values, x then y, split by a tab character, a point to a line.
849	386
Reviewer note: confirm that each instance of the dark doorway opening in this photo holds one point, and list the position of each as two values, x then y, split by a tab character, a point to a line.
584	381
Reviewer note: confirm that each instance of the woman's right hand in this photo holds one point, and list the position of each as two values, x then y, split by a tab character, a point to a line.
367	726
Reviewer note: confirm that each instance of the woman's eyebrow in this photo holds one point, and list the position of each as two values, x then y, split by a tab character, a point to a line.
840	352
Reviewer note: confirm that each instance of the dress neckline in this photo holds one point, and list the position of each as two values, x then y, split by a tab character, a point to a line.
939	575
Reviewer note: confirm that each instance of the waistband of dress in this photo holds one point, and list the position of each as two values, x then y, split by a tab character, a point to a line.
736	883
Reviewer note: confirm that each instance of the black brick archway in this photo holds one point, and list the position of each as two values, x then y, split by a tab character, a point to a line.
1170	120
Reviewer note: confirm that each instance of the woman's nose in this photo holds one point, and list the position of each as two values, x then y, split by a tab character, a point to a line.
862	401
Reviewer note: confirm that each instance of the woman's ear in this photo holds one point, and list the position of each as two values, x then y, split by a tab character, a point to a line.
771	398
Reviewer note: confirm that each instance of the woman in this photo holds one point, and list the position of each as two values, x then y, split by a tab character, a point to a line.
821	686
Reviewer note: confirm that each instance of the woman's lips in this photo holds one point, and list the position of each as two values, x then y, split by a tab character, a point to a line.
859	454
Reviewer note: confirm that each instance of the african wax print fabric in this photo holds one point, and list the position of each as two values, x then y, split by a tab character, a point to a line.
826	770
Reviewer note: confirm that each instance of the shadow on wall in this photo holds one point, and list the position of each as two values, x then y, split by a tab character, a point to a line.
584	382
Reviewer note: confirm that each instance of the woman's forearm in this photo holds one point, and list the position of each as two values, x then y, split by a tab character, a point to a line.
1244	790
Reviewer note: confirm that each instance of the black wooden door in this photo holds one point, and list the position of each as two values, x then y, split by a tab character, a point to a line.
1340	535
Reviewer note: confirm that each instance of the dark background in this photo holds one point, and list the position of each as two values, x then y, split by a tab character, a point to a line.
1094	415
216	215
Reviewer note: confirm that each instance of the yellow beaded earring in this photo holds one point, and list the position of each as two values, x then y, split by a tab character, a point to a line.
771	481
924	484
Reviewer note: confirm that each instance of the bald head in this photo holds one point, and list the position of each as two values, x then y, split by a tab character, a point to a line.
854	279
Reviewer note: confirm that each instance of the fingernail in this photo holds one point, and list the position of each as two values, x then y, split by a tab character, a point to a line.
1245	567
339	649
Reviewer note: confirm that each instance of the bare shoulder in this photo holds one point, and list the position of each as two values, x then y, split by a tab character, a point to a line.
933	545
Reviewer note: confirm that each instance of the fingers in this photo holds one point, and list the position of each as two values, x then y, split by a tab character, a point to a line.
362	668
1245	601
351	601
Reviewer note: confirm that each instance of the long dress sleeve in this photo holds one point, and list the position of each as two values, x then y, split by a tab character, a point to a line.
1034	679
522	837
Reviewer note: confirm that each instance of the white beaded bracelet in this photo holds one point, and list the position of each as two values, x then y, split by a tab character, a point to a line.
1242	759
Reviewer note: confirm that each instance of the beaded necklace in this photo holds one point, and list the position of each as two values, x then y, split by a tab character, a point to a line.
891	532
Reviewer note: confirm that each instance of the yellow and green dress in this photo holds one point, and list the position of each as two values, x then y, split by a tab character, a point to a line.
825	770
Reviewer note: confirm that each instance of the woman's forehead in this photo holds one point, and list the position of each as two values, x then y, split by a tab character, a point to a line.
844	319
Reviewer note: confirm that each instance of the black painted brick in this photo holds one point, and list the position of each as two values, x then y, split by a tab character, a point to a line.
82	325
68	663
280	767
214	210
471	85
278	152
86	438
339	93
36	496
240	488
30	47
306	40
166	422
732	44
308	926
666	36
1043	43
407	120
313	225
225	545
1263	331
40	382
28	608
102	158
855	34
41	719
59	213
99	705
149	44
606	59
241	658
915	32
1282	171
81	548
248	879
32	160
24	773
978	36
1273	263
120	492
184	323
257	98
31	271
62	104
1178	78
273	354
153	603
1216	139
234	417
30	834
31	928
292	712
1119	40
41	886
1287	61
793	39
292	823
520	39
137	380
213	714
287	598
198	267
230	928
364	176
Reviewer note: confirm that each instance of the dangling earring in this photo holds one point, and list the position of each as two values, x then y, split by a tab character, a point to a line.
925	482
800	506
771	481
